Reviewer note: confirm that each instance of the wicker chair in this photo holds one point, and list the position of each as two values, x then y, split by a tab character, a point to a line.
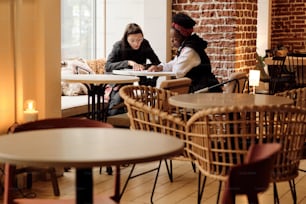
281	78
237	83
298	95
149	110
296	65
219	138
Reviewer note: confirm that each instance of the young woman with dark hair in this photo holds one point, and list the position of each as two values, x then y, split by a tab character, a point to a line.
131	52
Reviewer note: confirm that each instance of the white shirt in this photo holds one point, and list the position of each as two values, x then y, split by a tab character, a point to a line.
182	64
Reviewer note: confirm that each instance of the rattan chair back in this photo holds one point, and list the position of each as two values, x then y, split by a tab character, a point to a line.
237	83
298	95
296	63
148	109
151	96
219	138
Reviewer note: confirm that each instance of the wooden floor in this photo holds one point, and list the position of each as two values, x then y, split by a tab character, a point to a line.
182	190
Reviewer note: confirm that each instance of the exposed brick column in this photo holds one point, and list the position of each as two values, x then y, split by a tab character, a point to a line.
230	29
289	24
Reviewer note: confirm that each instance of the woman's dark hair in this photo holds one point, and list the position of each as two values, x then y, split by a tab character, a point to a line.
131	28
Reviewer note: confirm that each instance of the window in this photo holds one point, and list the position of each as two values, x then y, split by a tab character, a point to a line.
80	29
91	27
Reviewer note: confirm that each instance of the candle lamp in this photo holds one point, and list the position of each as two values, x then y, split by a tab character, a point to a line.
254	77
30	113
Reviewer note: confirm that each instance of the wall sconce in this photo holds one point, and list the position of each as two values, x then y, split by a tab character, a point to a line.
30	113
254	77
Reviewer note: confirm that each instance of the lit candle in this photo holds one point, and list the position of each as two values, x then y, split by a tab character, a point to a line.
30	114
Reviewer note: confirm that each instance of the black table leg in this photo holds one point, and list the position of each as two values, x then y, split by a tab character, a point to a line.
97	109
84	186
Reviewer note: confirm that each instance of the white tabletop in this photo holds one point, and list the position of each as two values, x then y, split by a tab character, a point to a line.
131	72
99	78
87	147
209	100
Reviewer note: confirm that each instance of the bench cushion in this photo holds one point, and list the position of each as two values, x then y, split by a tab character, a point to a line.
74	105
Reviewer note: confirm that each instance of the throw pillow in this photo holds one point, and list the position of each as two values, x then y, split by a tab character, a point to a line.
75	66
97	65
81	67
73	89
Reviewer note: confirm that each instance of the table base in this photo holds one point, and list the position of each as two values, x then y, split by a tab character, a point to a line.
84	185
97	109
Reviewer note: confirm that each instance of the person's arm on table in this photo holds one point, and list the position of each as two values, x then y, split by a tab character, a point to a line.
179	65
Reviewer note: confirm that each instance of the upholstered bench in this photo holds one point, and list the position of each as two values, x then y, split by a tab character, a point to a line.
74	99
74	105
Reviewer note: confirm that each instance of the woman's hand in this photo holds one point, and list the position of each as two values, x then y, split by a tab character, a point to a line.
155	68
136	66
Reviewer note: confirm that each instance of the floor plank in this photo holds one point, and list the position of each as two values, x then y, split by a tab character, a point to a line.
182	190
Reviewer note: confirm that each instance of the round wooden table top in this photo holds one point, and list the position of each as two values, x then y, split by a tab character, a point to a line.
98	78
87	147
269	61
209	100
131	72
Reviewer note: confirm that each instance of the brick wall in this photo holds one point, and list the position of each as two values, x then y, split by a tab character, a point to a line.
288	25
229	26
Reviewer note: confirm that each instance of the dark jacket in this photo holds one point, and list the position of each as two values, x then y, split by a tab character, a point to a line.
200	75
119	56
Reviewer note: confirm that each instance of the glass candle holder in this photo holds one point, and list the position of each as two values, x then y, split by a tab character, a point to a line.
30	113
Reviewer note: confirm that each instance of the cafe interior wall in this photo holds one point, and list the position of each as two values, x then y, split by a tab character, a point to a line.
30	51
30	56
230	27
217	21
288	24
